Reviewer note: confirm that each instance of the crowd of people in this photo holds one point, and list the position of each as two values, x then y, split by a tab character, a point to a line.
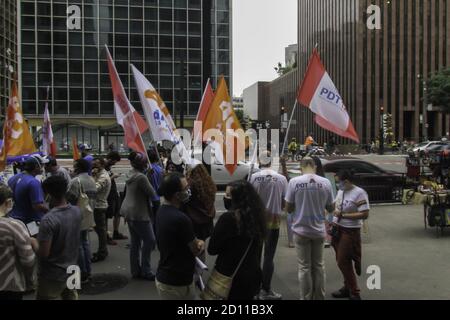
45	227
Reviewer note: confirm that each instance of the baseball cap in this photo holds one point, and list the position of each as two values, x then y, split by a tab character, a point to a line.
35	159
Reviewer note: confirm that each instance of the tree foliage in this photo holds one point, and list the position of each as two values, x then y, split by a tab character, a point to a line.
438	89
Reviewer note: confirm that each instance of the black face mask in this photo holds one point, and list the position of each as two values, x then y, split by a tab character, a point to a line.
227	203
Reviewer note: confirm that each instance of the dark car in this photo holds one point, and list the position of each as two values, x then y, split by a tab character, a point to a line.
382	186
438	153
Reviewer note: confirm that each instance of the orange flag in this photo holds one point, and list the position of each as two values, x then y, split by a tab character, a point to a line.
17	139
221	116
76	152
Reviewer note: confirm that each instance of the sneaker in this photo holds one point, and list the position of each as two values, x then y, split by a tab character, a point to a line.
327	244
291	245
119	236
341	294
269	295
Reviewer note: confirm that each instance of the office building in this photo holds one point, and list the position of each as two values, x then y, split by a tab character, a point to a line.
165	39
8	48
380	68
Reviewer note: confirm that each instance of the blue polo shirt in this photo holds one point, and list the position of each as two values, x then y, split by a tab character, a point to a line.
27	191
156	179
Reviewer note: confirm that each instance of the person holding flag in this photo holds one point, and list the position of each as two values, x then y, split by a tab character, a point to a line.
271	187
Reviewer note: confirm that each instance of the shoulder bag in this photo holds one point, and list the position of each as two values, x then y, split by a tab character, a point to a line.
219	285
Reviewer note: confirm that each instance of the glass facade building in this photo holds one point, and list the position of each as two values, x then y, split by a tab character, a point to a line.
162	38
8	48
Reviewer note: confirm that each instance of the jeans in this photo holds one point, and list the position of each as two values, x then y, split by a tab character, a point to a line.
142	245
270	247
348	252
100	229
311	268
84	257
167	292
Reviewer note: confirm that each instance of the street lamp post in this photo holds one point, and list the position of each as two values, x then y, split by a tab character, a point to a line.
425	112
381	148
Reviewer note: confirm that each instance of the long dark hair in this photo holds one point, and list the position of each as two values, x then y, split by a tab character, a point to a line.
249	209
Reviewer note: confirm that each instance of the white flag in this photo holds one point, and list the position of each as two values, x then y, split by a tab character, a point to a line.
161	125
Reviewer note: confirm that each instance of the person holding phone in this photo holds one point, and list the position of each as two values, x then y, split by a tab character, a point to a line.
352	208
18	252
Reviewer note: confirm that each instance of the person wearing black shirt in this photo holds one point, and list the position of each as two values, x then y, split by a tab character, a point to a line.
176	241
243	226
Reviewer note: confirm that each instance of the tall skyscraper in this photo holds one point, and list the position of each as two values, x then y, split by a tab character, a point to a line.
163	38
385	68
8	48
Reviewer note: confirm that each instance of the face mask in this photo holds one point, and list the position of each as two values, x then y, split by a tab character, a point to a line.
184	196
341	185
227	203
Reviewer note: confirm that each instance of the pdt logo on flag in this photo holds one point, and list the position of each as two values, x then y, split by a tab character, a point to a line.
330	96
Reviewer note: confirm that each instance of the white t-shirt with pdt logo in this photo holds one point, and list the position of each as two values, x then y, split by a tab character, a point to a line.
354	200
311	194
271	187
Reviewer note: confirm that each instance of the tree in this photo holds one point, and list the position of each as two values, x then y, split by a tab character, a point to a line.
240	115
281	71
438	90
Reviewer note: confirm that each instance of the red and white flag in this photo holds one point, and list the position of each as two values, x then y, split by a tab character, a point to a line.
126	115
48	141
205	104
320	95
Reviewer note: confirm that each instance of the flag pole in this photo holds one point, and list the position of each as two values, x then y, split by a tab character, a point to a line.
253	161
289	127
48	93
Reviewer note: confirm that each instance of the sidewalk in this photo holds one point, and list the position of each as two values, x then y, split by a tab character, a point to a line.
414	263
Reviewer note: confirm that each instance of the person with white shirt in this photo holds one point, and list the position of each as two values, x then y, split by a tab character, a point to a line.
352	208
271	187
307	197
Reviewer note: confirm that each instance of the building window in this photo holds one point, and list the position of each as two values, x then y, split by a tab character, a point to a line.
165	3
180	3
